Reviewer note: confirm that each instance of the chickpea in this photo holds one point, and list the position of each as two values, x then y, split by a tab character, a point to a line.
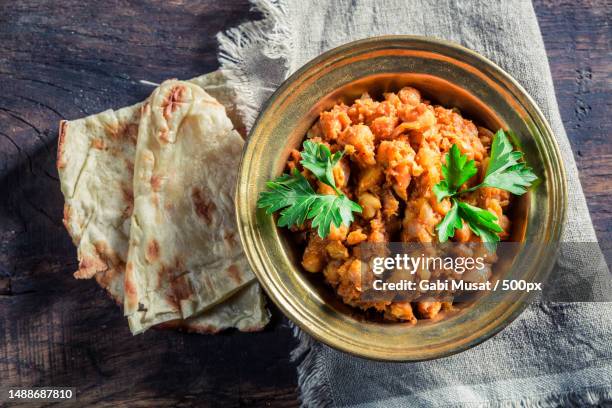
362	139
337	234
314	254
390	204
342	172
463	234
369	178
429	310
409	96
355	237
401	311
331	272
370	204
441	207
336	250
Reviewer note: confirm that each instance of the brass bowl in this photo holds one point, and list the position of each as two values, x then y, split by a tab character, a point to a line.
445	73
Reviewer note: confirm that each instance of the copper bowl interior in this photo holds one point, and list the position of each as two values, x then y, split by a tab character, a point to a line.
445	74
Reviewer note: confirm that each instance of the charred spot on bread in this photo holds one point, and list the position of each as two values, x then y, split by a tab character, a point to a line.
98	144
156	182
234	272
204	207
164	136
153	250
172	100
89	266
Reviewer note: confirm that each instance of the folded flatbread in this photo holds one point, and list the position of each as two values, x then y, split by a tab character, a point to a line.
95	163
184	256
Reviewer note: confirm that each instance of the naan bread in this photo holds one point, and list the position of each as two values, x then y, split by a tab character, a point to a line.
184	254
245	311
95	164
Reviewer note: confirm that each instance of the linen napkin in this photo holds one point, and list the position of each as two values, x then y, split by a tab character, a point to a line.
554	353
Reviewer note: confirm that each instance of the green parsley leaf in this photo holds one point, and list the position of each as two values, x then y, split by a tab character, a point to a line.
294	195
317	158
451	221
328	209
457	170
287	190
505	171
482	223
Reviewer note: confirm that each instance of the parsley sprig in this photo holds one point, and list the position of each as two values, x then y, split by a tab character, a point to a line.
456	172
293	194
505	171
317	158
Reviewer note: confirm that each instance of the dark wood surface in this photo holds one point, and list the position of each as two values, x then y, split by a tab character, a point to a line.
73	58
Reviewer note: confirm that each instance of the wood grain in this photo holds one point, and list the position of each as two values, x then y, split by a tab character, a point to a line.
78	58
578	39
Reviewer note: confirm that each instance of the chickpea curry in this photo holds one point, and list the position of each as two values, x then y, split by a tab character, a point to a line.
377	171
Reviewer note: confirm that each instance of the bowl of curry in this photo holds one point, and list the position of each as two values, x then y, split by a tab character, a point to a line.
385	114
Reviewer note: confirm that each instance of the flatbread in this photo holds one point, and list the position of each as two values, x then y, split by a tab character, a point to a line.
95	163
245	311
184	254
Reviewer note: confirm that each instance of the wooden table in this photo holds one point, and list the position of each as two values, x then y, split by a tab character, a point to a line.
71	59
